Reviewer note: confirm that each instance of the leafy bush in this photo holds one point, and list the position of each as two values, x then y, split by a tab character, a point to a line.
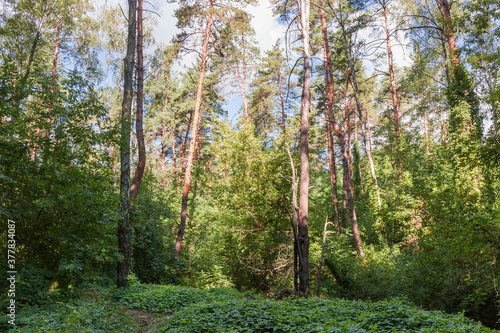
226	310
169	298
314	315
82	316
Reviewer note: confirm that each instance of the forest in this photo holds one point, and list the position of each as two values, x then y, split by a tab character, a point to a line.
344	177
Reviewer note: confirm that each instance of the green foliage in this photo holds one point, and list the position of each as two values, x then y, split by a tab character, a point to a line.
313	315
84	314
235	231
170	298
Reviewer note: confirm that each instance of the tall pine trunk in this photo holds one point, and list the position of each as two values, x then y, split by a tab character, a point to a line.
449	34
194	132
348	185
358	104
124	242
330	88
303	233
395	104
282	100
141	165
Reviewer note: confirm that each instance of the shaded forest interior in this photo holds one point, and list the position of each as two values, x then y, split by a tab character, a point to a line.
363	161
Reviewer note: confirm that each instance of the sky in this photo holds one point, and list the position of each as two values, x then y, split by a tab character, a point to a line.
267	32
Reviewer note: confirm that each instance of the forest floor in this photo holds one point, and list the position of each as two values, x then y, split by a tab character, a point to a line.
166	308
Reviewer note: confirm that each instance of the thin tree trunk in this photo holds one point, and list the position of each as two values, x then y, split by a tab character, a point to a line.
303	234
349	191
49	130
124	242
330	88
184	145
31	57
348	185
174	154
344	202
139	131
243	93
349	143
356	146
426	134
370	153
395	104
282	100
192	146
321	259
245	101
358	104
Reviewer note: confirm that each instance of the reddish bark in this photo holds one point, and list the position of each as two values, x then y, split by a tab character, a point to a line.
449	34
303	233
347	182
192	146
395	104
184	145
330	88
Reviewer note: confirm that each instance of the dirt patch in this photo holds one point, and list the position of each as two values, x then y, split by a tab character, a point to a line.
146	321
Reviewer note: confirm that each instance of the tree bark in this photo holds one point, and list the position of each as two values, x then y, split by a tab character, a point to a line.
395	104
303	233
124	242
53	83
184	145
358	104
426	133
194	131
243	93
348	185
330	88
449	34
139	131
282	100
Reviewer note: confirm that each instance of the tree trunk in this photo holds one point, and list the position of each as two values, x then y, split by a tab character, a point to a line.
303	233
282	100
358	104
348	130
426	133
348	185
330	88
356	147
349	191
449	34
243	93
295	219
321	259
53	83
124	242
174	154
395	104
194	131
141	165
31	57
344	203
370	153
184	145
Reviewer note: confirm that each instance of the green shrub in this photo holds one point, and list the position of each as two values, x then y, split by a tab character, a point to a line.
314	315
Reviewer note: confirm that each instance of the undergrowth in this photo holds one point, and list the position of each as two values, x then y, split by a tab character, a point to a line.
183	309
